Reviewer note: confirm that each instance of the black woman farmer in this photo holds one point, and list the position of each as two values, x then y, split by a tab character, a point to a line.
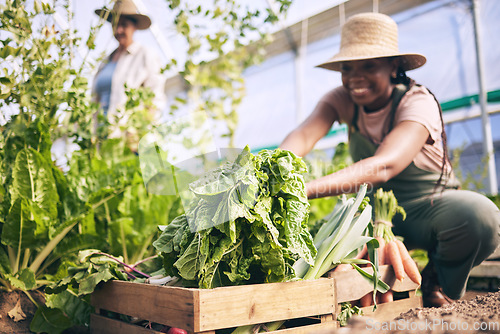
398	142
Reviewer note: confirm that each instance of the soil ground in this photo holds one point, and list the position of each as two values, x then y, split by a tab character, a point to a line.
478	314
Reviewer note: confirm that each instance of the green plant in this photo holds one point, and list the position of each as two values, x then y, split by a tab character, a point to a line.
469	180
223	39
46	214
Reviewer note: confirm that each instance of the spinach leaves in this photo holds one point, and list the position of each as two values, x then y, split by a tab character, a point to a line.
247	223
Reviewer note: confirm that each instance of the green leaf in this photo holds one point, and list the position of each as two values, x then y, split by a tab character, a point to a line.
49	320
193	259
76	309
4	262
21	225
23	280
87	285
33	179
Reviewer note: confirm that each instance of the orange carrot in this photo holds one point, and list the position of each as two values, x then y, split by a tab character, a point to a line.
362	253
394	258
342	267
366	300
409	265
387	297
381	251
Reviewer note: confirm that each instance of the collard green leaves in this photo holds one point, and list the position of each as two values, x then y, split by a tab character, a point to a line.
247	223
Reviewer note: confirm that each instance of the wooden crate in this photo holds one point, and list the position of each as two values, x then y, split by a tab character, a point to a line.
207	310
351	286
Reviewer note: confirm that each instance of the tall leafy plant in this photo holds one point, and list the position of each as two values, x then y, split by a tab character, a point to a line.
37	209
99	201
223	39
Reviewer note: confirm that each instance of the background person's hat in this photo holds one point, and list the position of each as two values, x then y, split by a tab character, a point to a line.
368	36
126	8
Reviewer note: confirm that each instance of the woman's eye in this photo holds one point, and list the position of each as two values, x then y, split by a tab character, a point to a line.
345	68
369	66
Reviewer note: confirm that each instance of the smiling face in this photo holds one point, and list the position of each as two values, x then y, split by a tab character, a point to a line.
369	81
124	31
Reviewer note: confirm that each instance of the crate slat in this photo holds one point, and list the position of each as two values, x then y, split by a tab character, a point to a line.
171	306
350	285
389	311
260	303
320	328
103	325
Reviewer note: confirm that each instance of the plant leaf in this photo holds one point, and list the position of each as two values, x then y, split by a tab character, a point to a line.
49	320
33	179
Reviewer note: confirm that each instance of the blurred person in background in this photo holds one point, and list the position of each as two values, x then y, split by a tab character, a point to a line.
130	66
398	142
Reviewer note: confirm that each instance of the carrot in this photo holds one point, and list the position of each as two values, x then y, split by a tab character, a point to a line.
366	300
381	251
387	297
394	258
342	267
362	253
409	265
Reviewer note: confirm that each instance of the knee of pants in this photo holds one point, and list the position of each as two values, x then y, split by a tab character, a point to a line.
474	227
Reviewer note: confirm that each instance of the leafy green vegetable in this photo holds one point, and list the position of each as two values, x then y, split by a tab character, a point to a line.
346	312
247	223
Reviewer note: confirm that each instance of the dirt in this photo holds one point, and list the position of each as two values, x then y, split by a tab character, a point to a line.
8	302
480	314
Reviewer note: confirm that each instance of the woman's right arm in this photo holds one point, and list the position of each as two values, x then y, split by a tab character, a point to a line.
303	138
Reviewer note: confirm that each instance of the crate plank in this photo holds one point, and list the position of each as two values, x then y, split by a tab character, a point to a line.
103	325
169	306
389	311
319	328
350	285
260	303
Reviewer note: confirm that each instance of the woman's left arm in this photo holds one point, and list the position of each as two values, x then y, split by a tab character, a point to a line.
394	154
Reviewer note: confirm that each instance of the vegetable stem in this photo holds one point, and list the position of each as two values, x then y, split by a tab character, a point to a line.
123	264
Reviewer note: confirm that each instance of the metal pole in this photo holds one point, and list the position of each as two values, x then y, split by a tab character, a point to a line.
299	72
160	39
487	137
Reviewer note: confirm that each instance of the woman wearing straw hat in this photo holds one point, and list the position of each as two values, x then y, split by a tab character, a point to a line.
398	142
131	64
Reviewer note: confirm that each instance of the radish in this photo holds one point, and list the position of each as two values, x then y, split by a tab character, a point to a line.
174	330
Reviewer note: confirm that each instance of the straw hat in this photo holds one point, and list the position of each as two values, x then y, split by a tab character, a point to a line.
126	8
371	35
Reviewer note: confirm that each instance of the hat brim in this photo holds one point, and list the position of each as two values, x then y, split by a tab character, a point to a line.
142	21
409	61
